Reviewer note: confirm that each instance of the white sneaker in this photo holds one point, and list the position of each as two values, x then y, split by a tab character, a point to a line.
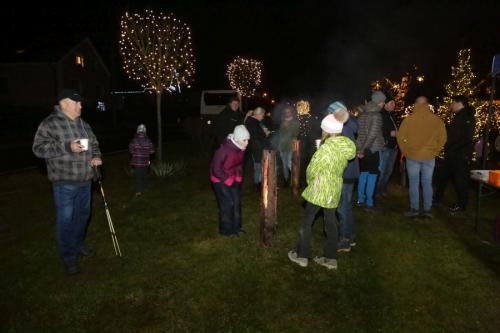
328	263
292	255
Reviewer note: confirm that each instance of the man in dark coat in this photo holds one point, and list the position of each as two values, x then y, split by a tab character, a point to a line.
457	153
228	119
390	150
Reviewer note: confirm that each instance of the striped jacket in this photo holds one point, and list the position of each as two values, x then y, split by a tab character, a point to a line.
52	142
140	148
324	173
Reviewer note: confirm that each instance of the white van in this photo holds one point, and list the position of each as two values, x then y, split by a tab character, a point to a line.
214	101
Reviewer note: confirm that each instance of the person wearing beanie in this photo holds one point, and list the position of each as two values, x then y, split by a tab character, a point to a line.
226	175
379	98
350	176
324	185
390	151
421	137
369	143
140	149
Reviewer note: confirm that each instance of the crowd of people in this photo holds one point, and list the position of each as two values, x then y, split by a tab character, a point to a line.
357	146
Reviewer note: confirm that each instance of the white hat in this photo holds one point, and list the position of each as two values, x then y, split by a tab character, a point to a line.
241	133
331	125
141	128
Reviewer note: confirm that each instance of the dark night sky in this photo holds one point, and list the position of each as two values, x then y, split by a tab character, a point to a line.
328	49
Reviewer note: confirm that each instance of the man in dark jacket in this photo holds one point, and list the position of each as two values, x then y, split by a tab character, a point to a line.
228	119
457	153
390	151
70	149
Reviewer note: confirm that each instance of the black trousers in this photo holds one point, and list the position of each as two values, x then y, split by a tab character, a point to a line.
329	228
140	174
457	170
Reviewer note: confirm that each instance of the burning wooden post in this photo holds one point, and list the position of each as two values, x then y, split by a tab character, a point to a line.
269	202
295	177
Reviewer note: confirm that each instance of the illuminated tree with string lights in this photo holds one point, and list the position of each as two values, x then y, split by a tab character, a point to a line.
244	75
157	52
463	82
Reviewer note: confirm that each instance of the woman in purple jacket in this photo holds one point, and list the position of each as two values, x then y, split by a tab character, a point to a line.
140	148
226	175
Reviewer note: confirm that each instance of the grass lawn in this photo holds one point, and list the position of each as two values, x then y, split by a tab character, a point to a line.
178	275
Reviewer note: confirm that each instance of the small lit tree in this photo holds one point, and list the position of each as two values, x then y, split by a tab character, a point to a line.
157	52
463	82
244	75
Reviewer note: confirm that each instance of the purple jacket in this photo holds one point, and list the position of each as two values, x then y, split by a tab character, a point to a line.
227	164
140	148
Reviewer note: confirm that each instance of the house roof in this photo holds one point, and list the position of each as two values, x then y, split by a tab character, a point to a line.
46	52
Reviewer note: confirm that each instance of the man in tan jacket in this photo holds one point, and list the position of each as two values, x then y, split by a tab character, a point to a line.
421	137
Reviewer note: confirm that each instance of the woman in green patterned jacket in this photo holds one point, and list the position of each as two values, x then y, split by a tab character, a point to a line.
324	179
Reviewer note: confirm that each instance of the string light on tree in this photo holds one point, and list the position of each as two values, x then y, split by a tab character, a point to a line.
399	90
303	108
244	75
463	82
157	52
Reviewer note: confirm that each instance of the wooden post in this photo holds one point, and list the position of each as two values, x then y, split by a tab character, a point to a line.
269	196
295	177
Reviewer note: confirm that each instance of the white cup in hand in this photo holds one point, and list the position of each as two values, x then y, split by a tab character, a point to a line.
318	142
85	144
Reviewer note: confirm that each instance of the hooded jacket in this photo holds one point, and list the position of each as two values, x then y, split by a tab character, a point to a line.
227	164
422	134
370	135
460	133
140	147
324	173
53	143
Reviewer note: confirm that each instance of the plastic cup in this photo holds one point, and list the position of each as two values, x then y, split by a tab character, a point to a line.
85	144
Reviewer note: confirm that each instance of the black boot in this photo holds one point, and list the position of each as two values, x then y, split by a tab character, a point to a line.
258	187
71	267
286	182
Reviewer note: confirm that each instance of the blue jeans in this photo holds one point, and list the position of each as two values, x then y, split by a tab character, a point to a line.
286	160
228	198
366	187
420	172
257	172
73	212
388	158
345	211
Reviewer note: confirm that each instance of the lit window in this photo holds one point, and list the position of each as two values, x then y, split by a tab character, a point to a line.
79	61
